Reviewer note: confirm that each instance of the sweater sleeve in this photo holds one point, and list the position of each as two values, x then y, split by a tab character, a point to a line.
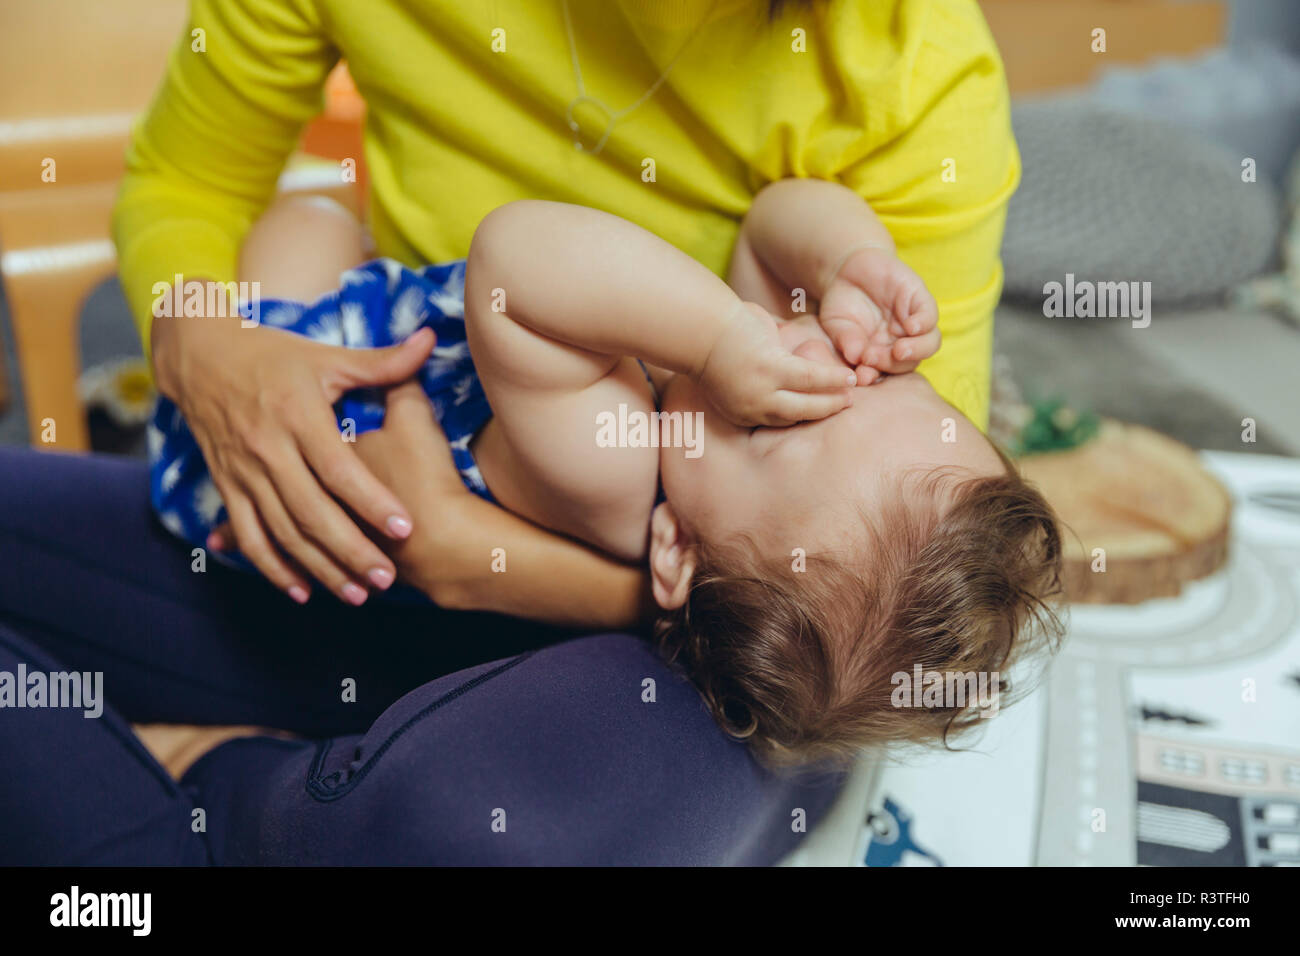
934	155
204	159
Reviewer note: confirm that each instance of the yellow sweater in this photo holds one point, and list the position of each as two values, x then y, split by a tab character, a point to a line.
904	101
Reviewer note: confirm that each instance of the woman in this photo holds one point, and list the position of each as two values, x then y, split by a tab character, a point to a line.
671	113
683	109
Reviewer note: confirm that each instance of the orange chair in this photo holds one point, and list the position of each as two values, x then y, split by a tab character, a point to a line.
74	74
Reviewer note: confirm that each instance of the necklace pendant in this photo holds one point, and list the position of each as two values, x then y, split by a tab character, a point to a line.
591	122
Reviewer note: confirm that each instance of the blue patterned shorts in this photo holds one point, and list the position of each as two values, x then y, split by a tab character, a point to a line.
380	303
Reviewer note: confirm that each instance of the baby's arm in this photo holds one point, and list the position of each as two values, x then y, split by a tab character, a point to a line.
557	300
579	289
803	229
824	238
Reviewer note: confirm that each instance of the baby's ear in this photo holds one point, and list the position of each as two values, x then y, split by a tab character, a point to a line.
672	558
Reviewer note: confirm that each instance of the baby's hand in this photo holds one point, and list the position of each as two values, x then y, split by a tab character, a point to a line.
880	315
755	380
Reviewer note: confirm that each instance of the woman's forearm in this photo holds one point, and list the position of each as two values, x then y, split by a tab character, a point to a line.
468	554
479	557
802	229
204	160
171	333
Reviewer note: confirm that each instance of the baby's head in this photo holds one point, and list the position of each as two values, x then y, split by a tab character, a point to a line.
802	568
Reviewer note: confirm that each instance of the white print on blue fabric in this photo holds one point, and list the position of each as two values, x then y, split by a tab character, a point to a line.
327	328
408	313
154	439
445	359
280	314
356	331
378	304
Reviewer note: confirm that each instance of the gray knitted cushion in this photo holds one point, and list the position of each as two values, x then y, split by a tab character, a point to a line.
1112	197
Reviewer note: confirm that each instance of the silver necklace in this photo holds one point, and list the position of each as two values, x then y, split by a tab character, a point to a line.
611	117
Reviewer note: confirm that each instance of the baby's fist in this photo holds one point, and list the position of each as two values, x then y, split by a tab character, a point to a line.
879	314
753	379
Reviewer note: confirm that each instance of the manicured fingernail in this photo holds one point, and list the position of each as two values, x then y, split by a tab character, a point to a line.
354	594
904	351
853	378
215	542
298	593
380	577
399	527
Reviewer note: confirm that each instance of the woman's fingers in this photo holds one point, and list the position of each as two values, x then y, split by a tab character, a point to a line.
220	537
345	476
410	421
407	404
257	547
384	366
305	551
323	526
285	524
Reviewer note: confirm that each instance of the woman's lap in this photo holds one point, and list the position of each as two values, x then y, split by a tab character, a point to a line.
539	758
552	757
90	582
88	575
82	790
79	788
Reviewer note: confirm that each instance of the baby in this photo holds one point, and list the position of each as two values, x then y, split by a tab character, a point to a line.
816	519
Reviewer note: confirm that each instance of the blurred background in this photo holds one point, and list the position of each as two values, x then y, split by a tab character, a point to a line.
74	76
1129	159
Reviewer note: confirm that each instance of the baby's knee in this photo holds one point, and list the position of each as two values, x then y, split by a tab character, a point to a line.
300	246
495	229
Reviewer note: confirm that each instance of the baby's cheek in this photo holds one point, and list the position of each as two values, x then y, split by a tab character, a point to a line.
718	501
688	481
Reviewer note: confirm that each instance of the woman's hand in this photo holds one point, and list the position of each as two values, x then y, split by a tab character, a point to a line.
468	554
258	401
410	455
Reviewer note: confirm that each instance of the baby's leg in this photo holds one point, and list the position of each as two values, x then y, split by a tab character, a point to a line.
300	247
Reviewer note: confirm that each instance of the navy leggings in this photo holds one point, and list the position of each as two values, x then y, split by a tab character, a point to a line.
472	738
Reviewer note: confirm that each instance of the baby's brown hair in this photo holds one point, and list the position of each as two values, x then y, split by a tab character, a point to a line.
804	664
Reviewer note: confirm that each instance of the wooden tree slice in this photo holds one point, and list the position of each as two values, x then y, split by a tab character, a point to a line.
1159	517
